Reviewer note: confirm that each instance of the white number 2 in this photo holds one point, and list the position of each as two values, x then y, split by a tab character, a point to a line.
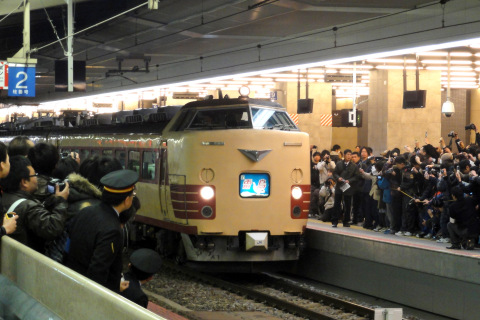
25	77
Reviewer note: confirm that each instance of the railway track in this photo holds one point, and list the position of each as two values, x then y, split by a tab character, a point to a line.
307	303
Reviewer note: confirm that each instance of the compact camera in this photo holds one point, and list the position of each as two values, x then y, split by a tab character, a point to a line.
53	182
451	134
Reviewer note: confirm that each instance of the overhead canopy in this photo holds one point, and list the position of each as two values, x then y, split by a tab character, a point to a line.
191	39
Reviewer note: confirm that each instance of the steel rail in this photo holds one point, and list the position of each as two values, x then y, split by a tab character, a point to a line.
252	294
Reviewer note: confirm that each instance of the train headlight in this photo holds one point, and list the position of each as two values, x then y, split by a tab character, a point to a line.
296	193
207	193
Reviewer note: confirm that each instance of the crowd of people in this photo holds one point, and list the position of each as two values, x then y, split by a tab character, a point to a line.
74	213
427	191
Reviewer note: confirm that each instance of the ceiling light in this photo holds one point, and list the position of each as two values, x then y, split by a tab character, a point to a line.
398	67
445	62
458	68
392	61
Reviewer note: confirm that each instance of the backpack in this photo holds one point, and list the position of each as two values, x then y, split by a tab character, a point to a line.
58	248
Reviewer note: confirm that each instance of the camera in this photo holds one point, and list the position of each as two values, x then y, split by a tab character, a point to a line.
451	134
314	147
9	215
64	155
53	182
471	126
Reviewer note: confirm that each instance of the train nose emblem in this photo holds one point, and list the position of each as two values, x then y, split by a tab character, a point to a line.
255	155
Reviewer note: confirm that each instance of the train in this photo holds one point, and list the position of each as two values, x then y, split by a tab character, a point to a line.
221	180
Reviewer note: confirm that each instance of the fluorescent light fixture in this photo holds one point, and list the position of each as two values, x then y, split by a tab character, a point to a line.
349	66
387	60
457	68
466	62
398	67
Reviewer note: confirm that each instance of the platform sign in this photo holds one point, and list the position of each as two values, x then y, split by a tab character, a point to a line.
21	81
273	95
3	75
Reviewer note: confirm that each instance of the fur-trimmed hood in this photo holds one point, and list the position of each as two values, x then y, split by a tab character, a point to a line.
81	188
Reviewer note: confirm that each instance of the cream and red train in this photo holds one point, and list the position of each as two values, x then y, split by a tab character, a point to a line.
224	180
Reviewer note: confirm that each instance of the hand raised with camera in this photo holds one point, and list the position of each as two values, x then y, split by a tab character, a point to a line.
64	193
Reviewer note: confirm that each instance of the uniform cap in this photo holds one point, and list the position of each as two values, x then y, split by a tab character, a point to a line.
120	181
146	260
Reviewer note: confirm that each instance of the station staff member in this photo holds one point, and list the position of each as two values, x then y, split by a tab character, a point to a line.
96	238
144	263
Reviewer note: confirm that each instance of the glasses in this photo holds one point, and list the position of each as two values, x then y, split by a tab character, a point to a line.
33	175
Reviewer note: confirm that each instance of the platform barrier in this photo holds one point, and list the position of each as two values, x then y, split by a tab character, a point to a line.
37	287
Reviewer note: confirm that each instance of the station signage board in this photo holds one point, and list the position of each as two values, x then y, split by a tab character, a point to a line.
21	81
3	75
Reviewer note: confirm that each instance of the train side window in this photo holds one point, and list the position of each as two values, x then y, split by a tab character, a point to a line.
148	165
121	156
84	154
134	161
95	152
108	152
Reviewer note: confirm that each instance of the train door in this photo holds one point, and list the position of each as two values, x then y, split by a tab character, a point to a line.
164	185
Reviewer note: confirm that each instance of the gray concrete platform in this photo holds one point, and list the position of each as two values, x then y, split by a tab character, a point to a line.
416	272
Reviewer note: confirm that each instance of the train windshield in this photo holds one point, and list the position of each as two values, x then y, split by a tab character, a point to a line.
264	118
239	117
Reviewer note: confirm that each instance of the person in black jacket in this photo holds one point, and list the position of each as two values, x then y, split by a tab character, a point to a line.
36	224
144	263
346	173
96	239
464	225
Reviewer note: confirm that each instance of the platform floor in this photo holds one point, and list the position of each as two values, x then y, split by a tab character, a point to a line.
359	232
415	272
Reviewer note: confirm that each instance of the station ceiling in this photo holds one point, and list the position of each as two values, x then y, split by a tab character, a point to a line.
195	39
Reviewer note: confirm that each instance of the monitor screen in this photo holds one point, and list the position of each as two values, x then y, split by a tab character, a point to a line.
414	99
305	106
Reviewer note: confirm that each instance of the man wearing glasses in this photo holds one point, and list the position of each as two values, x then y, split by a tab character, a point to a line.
96	238
36	224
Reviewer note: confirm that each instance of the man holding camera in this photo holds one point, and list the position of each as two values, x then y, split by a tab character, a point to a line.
36	224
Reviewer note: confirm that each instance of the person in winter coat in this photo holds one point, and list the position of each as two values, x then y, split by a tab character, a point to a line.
36	224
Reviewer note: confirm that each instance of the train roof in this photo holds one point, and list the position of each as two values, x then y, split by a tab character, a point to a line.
227	102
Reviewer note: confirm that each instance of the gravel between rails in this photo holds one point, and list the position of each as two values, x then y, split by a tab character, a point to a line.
197	296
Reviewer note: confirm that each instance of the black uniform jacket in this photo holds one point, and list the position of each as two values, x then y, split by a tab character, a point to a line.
36	224
134	291
96	245
350	173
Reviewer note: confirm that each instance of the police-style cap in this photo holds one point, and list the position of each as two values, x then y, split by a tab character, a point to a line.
120	181
146	260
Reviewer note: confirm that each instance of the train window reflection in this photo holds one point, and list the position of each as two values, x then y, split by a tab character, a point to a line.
220	118
121	156
148	165
271	119
84	154
134	161
107	152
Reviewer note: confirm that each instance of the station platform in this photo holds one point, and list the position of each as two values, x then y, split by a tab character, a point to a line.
416	272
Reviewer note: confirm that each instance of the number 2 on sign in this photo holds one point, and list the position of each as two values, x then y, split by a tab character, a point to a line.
25	77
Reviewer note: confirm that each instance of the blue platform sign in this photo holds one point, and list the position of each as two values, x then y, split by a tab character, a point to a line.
21	81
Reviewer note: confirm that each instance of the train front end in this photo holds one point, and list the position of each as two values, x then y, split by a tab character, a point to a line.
237	181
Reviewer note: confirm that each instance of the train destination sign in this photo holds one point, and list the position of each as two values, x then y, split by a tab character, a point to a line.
21	80
254	185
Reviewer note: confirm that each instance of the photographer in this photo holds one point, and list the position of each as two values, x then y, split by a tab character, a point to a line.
36	223
44	158
325	167
328	193
393	172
